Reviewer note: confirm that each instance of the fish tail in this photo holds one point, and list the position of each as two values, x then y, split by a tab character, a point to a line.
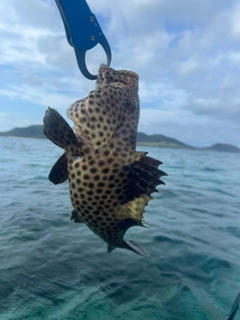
133	246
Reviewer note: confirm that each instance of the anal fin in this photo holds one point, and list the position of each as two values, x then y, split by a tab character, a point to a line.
110	248
76	217
56	129
58	173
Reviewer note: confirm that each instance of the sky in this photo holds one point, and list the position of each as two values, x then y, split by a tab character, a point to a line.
186	52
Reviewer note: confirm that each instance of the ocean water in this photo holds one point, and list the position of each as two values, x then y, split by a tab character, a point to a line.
53	268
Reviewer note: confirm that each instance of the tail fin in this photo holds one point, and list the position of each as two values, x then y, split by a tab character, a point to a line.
131	245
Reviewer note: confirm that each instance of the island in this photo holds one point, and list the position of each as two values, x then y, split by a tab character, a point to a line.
154	140
34	131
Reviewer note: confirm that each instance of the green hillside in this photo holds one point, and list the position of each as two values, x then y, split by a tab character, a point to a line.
223	147
159	140
34	131
154	140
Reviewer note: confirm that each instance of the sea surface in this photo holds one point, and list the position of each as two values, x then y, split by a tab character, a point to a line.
52	268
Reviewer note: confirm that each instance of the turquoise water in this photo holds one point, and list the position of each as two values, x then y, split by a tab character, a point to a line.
52	268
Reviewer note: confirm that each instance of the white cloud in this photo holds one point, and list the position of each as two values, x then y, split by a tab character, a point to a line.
188	66
235	20
186	54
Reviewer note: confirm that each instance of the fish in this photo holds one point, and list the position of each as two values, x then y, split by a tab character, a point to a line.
110	182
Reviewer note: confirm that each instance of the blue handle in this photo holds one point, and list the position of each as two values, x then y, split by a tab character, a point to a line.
82	30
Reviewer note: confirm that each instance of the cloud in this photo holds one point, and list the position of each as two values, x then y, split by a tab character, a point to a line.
186	54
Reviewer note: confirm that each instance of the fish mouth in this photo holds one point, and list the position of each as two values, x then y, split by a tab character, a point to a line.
107	75
101	77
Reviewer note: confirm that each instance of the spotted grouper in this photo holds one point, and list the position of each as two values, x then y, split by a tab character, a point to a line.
110	182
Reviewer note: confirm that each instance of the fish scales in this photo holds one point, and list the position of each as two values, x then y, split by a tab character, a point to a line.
110	182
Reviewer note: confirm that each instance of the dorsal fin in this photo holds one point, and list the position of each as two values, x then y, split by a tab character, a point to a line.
58	173
145	173
144	178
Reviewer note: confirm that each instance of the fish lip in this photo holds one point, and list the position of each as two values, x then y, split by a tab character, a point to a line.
101	77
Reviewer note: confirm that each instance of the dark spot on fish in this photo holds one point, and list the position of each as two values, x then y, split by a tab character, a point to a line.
92	162
93	170
105	170
109	160
100	184
86	177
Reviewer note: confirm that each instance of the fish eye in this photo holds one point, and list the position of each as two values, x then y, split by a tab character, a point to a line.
129	104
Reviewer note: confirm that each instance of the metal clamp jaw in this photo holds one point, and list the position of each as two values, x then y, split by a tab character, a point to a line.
83	32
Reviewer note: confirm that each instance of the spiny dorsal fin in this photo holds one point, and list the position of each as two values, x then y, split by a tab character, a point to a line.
56	129
144	177
58	173
145	173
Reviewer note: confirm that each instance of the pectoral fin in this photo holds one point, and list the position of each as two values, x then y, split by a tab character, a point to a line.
56	129
58	173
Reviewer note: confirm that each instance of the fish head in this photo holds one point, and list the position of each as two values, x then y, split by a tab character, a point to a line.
111	110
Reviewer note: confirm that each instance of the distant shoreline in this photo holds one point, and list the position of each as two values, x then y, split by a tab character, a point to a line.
155	140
